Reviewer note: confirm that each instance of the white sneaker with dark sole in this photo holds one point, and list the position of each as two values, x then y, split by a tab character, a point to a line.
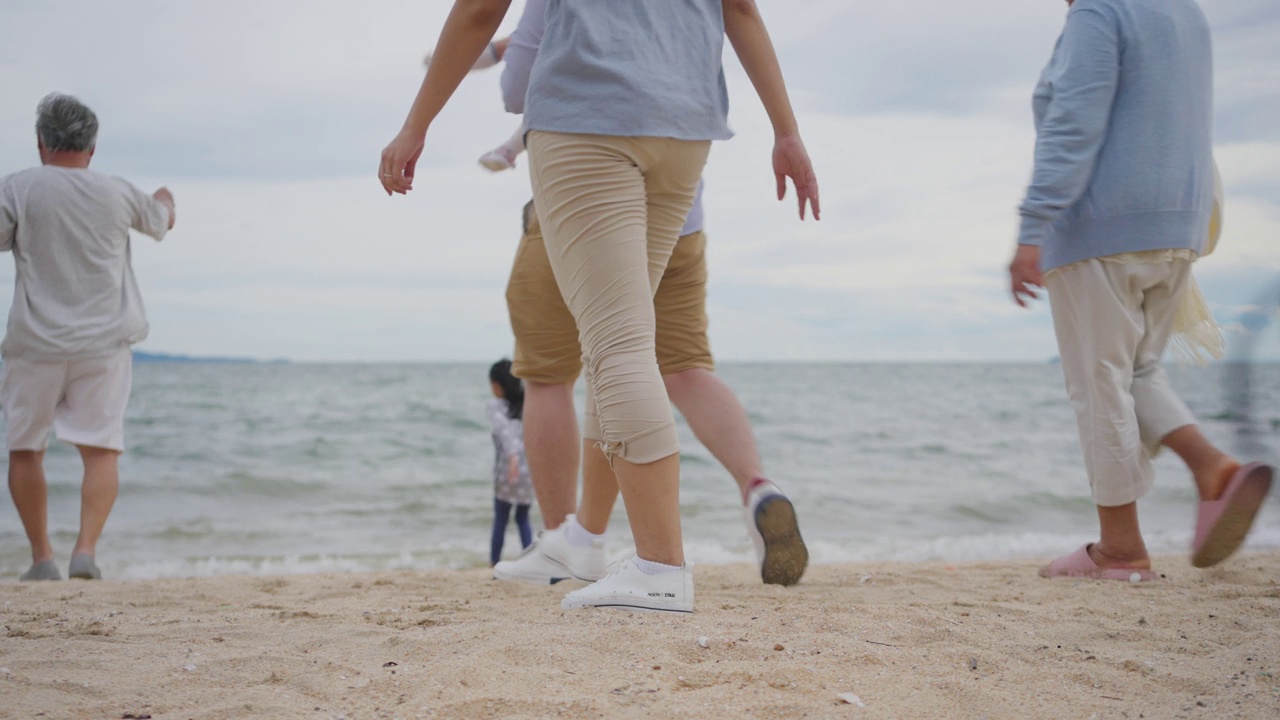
552	558
627	588
775	533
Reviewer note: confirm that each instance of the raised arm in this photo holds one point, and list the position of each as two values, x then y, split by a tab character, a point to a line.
153	215
466	34
166	198
750	39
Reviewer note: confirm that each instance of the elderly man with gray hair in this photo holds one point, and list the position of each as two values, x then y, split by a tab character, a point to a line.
76	312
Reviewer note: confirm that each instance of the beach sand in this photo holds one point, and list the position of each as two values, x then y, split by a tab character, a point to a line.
908	640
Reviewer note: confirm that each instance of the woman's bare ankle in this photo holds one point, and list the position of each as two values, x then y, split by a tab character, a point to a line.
1212	479
1108	557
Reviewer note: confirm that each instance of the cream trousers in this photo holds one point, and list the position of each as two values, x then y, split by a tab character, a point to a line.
1113	321
611	209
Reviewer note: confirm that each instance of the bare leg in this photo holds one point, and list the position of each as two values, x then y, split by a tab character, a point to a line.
718	421
31	497
97	496
599	489
551	449
651	493
1210	467
1121	544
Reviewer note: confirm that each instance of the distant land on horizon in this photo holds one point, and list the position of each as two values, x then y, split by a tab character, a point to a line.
144	356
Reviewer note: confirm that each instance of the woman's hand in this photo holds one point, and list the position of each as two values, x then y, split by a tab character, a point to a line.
399	160
790	160
1024	274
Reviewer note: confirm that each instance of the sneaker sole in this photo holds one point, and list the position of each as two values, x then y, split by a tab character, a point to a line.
628	606
785	555
493	166
544	579
1232	528
541	580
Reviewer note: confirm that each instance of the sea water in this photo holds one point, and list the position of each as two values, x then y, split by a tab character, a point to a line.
288	468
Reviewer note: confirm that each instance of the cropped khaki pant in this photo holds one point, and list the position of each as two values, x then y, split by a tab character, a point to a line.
1113	321
611	209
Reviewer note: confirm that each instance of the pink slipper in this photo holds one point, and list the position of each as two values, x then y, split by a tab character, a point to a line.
1079	565
1222	524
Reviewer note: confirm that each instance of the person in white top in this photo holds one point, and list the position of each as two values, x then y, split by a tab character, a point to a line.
76	312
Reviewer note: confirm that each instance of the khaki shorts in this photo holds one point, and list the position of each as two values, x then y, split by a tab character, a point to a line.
547	349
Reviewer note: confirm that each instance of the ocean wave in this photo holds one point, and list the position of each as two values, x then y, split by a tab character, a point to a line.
988	547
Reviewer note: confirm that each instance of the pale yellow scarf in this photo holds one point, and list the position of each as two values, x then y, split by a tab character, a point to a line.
1196	336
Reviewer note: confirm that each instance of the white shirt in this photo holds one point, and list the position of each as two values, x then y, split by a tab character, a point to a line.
74	295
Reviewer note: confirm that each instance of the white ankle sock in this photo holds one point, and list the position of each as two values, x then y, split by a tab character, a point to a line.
577	535
514	144
649	567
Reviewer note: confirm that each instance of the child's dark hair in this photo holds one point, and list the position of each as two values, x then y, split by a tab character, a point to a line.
512	388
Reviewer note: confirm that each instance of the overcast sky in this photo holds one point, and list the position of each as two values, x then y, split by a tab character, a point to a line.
267	119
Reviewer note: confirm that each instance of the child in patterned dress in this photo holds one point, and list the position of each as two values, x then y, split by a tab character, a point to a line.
511	484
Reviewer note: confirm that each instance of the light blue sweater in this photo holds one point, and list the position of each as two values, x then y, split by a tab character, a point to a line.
631	68
1123	113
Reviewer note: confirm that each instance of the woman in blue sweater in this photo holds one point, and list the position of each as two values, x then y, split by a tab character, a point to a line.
1117	210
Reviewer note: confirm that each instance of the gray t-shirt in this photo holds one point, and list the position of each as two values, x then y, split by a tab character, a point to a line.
74	295
631	69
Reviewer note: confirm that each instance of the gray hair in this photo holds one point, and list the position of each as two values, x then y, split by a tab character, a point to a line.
65	124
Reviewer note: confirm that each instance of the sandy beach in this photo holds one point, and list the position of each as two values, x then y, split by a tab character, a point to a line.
897	640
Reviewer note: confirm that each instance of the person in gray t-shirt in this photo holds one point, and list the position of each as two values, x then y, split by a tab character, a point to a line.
76	312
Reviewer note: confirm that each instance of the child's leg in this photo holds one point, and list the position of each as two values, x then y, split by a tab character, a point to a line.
522	522
504	156
501	514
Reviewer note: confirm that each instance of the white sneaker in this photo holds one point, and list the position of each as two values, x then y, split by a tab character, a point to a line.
628	588
552	558
497	160
775	533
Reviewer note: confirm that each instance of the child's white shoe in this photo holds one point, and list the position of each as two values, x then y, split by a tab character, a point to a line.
498	159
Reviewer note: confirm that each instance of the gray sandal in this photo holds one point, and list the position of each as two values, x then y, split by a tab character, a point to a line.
43	570
83	568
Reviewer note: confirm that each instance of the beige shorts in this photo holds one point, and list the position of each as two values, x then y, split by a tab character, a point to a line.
82	400
547	348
